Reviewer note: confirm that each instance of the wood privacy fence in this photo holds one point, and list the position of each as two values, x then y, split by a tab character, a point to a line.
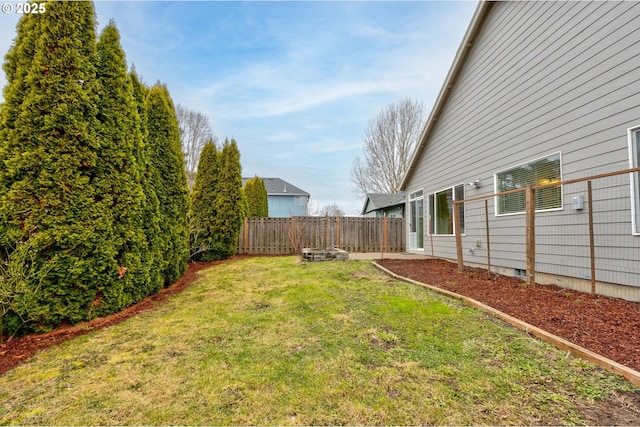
287	236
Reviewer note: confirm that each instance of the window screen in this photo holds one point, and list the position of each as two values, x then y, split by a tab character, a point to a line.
538	172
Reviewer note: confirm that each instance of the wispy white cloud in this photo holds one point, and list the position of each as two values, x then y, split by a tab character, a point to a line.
327	67
280	99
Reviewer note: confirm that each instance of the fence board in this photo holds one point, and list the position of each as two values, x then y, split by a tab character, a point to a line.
286	236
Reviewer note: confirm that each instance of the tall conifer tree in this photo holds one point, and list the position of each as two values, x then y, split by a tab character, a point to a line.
170	182
54	195
121	172
230	203
202	212
257	198
151	214
16	66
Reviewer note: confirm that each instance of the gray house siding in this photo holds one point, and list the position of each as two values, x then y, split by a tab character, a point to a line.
542	78
282	206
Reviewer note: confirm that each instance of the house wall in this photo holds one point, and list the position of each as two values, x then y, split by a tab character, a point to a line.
284	206
393	212
541	78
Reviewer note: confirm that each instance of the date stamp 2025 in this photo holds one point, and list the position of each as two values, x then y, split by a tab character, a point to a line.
23	8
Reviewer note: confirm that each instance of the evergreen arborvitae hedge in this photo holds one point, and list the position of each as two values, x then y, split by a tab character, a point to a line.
53	192
202	213
257	198
151	215
169	179
16	66
230	204
121	170
92	183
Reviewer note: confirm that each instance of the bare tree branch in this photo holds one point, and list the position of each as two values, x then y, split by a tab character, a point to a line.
389	141
195	131
331	210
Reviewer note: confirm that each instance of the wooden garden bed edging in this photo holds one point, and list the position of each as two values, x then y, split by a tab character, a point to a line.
627	373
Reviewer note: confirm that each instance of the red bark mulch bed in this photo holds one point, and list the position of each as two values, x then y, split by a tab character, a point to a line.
609	327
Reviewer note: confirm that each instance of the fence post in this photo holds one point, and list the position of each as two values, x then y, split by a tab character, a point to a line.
531	235
294	245
337	232
324	235
430	229
245	240
384	235
456	220
592	246
486	223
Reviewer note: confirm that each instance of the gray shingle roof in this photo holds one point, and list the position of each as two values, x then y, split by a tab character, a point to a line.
279	187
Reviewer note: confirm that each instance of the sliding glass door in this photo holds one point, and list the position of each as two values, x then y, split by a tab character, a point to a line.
416	221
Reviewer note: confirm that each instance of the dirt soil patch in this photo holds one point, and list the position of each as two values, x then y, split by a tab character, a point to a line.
20	349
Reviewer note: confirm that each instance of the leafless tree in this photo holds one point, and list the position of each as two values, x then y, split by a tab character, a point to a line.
331	210
315	209
389	141
195	131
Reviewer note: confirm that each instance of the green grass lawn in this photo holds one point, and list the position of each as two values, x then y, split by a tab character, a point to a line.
276	341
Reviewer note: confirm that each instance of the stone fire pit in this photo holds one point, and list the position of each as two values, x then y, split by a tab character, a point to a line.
309	254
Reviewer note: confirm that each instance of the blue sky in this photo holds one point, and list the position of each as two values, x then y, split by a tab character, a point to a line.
294	82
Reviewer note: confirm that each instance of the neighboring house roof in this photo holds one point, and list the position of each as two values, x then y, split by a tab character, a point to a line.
279	187
374	201
462	54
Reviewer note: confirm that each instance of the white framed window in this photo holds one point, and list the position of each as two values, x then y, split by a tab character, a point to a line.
299	200
634	162
544	170
441	211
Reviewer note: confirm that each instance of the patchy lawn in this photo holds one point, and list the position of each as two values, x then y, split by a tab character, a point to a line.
607	326
277	341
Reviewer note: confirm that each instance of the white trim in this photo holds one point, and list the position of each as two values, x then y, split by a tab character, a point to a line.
635	204
495	187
